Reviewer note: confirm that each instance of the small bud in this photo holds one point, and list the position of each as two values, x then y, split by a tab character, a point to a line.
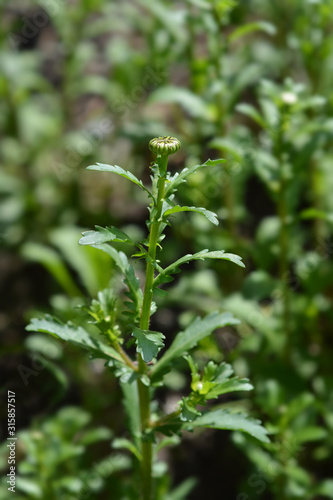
164	145
289	97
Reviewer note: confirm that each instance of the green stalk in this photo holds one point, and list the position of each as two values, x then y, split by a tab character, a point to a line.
283	238
283	264
144	393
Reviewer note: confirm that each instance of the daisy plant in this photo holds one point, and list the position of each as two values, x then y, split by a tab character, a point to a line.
137	355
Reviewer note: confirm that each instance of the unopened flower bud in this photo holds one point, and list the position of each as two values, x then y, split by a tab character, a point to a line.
164	145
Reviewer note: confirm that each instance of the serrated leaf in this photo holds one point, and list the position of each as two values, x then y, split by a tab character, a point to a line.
148	343
164	276
103	235
188	413
73	334
219	381
103	167
216	380
224	419
189	338
211	216
179	177
131	280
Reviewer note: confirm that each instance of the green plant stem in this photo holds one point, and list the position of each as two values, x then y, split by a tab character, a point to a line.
283	241
123	354
166	419
283	264
144	393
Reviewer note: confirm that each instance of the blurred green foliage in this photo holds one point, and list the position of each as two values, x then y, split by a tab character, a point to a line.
248	80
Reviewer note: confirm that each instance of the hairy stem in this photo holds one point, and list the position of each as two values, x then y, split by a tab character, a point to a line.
144	393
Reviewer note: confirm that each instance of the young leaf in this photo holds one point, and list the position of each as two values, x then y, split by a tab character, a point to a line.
216	380
232	385
224	419
103	235
148	343
207	213
73	334
133	283
189	338
188	413
178	178
103	167
164	276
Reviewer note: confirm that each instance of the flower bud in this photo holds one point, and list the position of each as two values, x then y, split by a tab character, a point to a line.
164	145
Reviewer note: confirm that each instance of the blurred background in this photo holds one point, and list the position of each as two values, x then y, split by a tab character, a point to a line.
93	81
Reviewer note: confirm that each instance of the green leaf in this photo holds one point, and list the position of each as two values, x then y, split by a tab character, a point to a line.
148	343
46	346
248	110
229	145
296	407
219	381
190	102
91	268
207	213
53	262
103	167
189	338
164	276
325	489
131	404
126	444
314	213
189	412
74	335
250	28
310	433
224	419
29	486
103	235
183	490
179	177
109	465
94	435
133	283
